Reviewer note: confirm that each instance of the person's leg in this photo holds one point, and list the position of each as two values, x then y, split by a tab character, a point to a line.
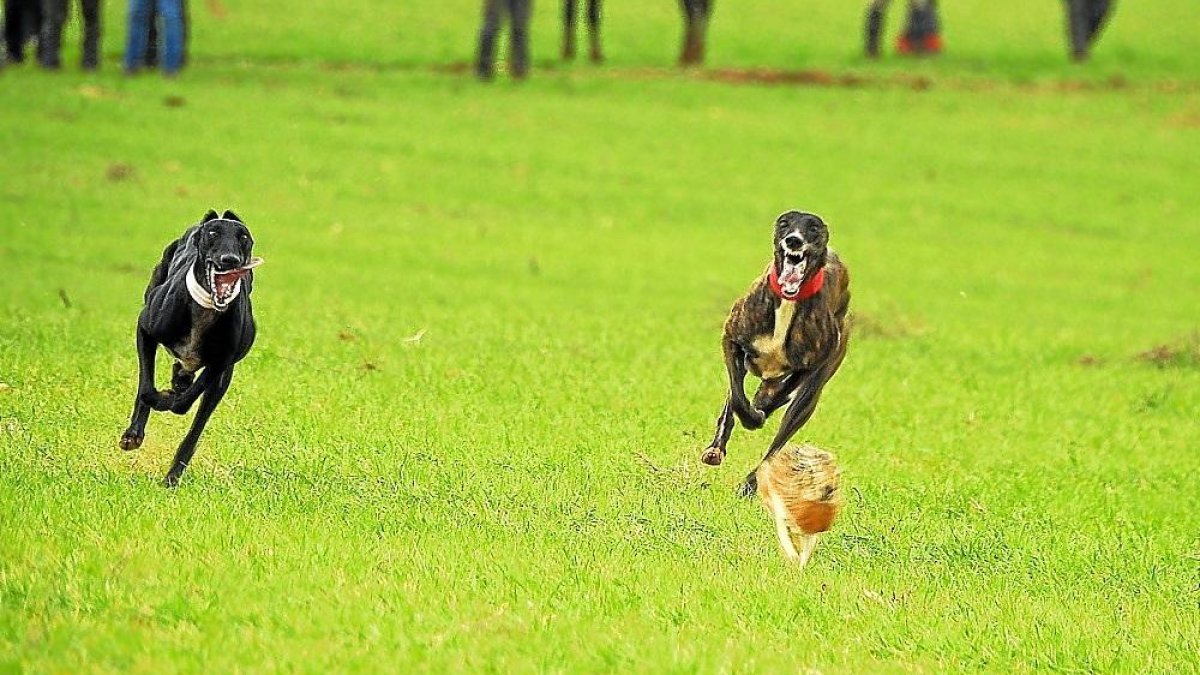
139	32
593	18
1077	28
187	30
91	33
930	28
14	19
171	13
54	16
485	61
568	16
1097	16
873	30
519	14
153	37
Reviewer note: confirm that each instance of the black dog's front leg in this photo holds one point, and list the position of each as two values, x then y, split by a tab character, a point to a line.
136	433
216	386
736	404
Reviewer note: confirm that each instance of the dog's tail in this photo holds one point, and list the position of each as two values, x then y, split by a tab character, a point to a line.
799	487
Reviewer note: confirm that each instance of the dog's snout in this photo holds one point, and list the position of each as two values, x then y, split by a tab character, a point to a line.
793	242
230	261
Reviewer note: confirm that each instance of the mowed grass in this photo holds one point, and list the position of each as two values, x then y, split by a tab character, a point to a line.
467	438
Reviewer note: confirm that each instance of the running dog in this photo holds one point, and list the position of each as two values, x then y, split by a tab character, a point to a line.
197	306
790	331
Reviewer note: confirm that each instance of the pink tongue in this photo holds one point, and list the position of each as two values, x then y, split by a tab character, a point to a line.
792	278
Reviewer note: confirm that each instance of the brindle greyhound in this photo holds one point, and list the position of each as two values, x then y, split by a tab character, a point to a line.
198	308
790	331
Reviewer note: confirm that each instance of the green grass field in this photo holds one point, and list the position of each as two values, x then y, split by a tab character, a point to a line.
519	489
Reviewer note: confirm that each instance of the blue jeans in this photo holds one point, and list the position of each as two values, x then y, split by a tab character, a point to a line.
171	13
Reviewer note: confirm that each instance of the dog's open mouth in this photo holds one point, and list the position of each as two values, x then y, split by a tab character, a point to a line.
225	283
791	277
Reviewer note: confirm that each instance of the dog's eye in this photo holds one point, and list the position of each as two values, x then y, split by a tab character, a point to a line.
212	234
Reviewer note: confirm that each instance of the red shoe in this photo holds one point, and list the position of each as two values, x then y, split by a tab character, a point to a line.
904	46
932	44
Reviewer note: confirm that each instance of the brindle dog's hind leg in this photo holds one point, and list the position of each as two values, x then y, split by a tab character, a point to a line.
798	413
136	433
735	404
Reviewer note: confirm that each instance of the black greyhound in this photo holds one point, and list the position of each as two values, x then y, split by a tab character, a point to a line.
789	330
198	308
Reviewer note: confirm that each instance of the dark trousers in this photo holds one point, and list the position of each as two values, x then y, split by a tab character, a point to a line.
54	17
22	21
494	13
1085	19
922	22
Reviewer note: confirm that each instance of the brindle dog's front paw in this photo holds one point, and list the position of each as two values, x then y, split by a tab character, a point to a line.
132	440
713	456
752	420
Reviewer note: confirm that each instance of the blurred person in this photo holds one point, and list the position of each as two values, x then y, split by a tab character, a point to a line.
570	10
696	14
54	18
170	12
153	40
1085	20
22	24
922	35
494	12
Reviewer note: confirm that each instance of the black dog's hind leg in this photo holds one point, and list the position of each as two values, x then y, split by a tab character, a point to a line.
736	404
216	387
136	433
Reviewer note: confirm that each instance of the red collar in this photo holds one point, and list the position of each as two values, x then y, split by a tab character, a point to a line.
807	289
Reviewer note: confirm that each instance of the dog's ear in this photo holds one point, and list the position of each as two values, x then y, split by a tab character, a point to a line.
230	215
211	215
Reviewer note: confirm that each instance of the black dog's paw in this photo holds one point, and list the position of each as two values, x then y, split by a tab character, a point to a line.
132	439
171	480
158	400
181	380
749	487
180	406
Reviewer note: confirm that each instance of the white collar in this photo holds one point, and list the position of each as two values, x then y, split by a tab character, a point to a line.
203	297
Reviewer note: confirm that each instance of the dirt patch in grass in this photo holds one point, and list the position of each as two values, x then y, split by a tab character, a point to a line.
1184	353
870	326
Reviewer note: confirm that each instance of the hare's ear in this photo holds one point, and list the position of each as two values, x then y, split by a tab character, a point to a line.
211	215
230	215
